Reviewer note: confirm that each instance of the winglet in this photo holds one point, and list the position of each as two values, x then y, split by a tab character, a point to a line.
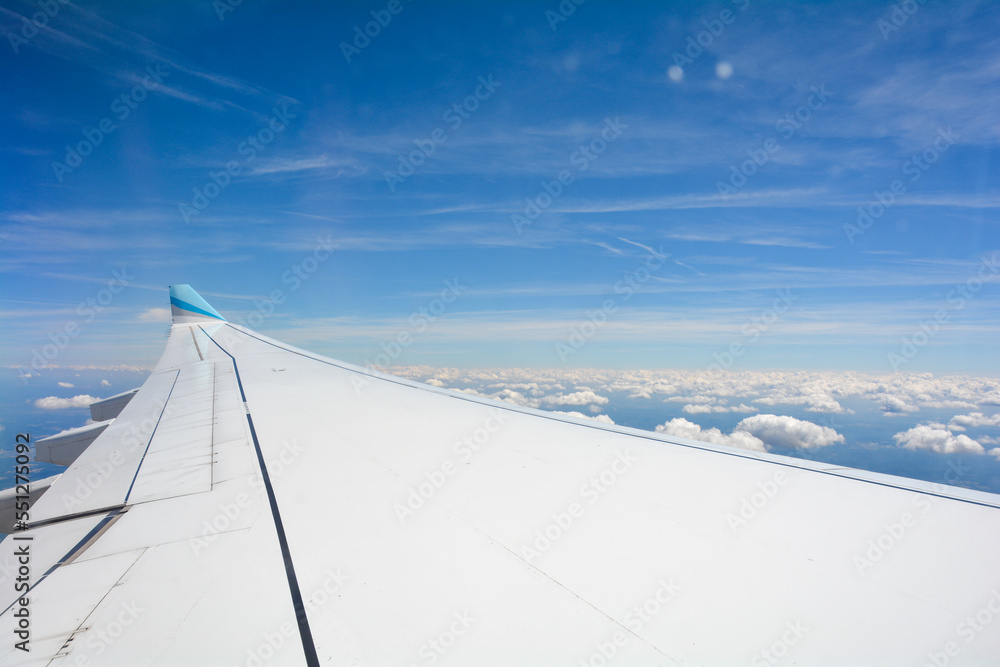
186	305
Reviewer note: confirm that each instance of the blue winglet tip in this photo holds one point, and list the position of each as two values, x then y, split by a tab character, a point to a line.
186	305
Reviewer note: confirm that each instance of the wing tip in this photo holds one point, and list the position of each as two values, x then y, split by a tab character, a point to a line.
186	306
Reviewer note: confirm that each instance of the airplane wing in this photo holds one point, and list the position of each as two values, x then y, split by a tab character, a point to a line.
256	504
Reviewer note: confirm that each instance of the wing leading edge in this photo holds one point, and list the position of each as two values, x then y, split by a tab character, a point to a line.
256	502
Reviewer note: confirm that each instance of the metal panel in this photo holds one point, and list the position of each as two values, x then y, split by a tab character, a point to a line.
64	448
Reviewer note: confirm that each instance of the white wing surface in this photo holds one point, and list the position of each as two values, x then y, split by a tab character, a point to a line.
255	504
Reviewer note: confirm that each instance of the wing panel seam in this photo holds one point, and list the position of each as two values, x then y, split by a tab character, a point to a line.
70	555
308	645
152	435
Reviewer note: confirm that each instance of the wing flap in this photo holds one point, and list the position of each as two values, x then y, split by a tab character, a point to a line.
64	448
57	618
111	407
181	551
48	546
178	458
103	473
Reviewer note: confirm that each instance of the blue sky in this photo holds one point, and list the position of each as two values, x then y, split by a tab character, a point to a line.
802	195
833	100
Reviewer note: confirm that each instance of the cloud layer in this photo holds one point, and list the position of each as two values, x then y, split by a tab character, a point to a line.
896	396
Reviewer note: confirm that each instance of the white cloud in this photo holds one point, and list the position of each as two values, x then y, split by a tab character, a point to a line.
155	315
336	166
575	398
995	453
105	383
511	396
604	419
715	409
690	399
957	405
682	428
894	405
973	420
901	395
939	440
56	403
784	431
66	385
814	402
